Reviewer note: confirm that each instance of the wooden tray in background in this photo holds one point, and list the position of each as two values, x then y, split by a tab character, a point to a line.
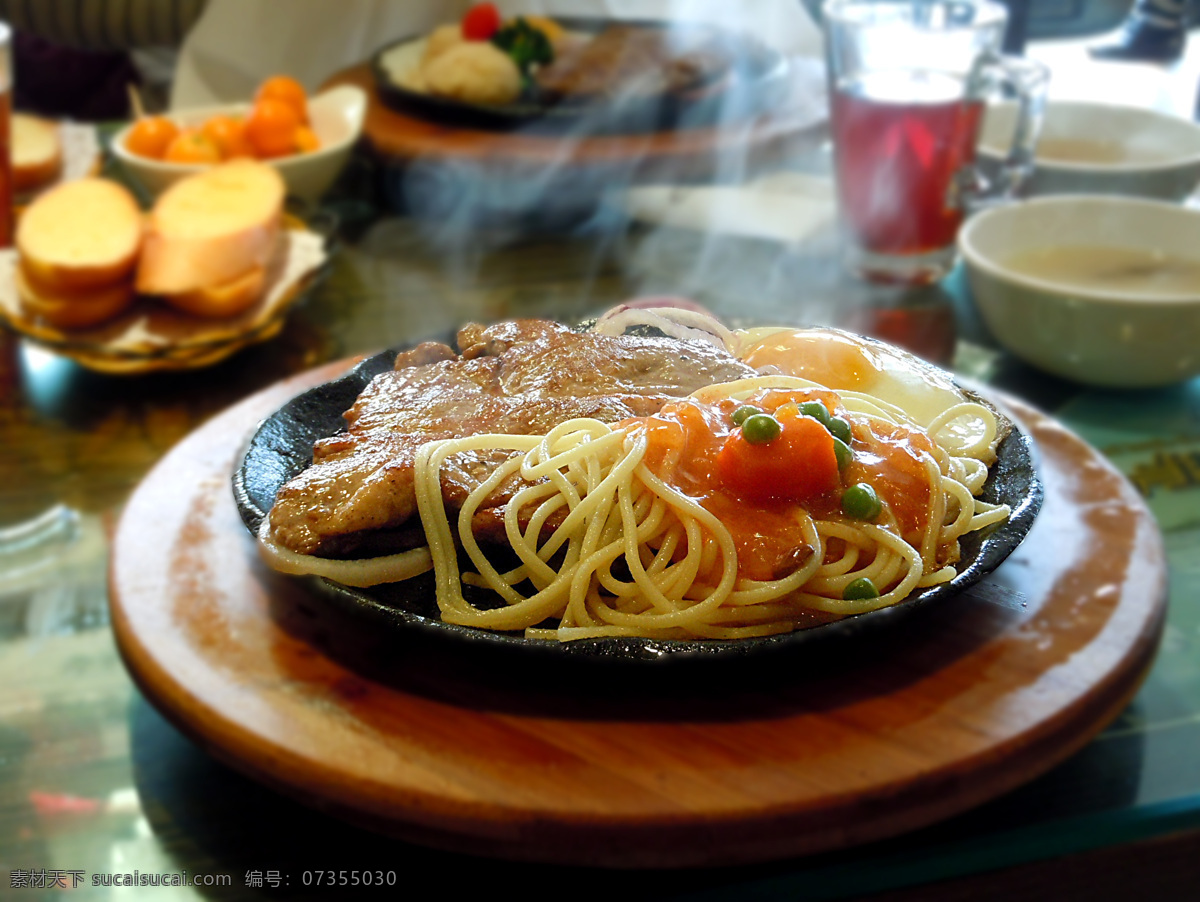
675	155
985	693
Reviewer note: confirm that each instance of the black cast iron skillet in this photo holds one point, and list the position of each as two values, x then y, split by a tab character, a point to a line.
402	618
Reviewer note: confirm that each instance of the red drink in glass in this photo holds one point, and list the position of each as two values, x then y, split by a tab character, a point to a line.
6	185
902	139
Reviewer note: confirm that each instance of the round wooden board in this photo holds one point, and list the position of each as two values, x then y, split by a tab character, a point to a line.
678	154
950	709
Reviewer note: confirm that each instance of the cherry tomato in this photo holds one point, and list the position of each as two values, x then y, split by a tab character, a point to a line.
271	128
481	21
799	464
150	136
306	140
287	90
229	134
192	146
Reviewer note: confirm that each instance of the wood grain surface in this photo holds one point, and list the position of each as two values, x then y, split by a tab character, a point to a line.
946	711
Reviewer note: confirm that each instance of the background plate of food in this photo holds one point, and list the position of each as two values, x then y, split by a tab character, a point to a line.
579	74
879	487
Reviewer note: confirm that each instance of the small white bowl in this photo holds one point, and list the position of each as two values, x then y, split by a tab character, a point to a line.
1100	148
336	116
1121	336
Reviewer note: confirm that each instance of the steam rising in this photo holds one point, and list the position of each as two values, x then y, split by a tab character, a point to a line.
576	181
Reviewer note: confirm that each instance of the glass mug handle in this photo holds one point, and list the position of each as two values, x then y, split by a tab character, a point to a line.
1009	77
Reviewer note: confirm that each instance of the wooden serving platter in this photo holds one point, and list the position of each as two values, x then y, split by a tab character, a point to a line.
694	153
953	707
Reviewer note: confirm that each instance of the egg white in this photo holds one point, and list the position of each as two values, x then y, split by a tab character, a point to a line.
922	391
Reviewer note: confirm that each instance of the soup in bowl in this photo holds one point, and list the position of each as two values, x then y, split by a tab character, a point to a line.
1102	290
1098	148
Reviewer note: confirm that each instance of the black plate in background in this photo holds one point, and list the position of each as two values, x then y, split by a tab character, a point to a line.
406	613
757	81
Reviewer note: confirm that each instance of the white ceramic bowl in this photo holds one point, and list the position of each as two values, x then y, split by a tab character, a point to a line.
336	116
1099	148
1112	336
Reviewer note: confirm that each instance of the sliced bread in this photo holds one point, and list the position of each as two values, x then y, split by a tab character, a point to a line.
71	309
223	300
211	228
37	152
81	235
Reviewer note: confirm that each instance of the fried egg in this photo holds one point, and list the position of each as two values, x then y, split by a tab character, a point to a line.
846	362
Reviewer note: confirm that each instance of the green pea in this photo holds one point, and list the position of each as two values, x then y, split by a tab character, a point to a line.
817	411
742	413
860	590
840	428
842	452
860	502
760	429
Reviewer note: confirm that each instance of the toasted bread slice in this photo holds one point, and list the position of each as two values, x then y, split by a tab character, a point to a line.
81	235
37	153
71	309
224	300
211	228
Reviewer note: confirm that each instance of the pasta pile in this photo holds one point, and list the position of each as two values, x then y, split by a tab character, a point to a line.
608	547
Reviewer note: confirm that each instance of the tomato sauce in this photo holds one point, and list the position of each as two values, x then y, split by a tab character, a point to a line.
685	438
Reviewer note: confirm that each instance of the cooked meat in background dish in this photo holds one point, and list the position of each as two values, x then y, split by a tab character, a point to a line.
517	378
637	61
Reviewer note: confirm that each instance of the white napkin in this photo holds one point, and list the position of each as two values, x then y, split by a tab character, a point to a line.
238	43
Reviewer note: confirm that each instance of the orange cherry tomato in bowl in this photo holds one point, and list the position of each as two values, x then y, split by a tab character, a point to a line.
286	90
150	136
229	134
192	146
306	140
271	128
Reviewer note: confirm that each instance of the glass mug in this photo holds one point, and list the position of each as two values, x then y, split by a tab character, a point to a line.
6	184
908	82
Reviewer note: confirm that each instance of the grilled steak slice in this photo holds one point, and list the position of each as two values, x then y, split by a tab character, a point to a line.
516	378
625	61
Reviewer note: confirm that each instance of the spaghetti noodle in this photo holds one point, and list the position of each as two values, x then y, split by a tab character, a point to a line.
611	542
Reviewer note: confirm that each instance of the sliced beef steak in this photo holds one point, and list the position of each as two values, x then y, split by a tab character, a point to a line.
626	61
516	378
